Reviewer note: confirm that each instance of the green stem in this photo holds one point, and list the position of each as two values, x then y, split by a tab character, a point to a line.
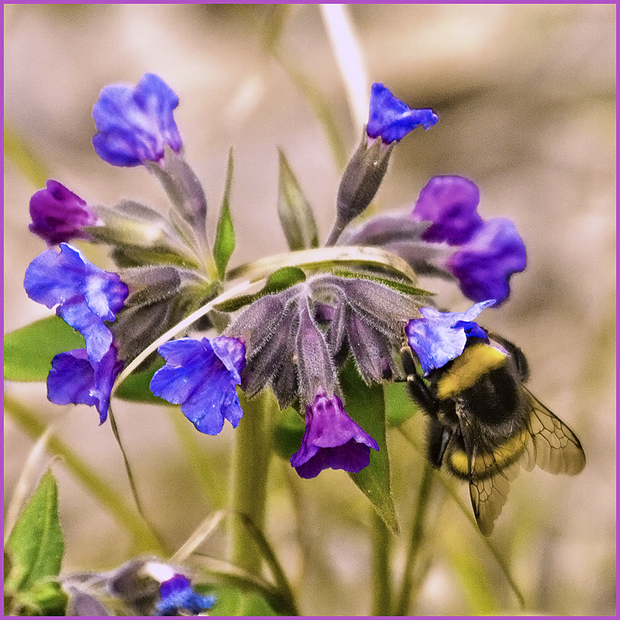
381	571
144	539
251	464
417	531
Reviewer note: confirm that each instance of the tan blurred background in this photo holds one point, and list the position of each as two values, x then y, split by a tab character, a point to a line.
526	100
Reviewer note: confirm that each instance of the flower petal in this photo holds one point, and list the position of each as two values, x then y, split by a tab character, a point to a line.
177	595
134	124
201	376
391	119
86	295
439	337
486	262
59	215
450	203
331	440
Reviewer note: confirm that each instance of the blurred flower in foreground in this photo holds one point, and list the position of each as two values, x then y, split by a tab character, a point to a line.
331	440
177	596
134	124
59	215
439	337
86	295
201	376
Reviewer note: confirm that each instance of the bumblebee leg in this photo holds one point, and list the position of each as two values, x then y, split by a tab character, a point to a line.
439	437
418	390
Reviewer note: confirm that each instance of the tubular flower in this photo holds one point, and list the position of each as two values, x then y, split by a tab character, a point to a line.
75	379
488	253
178	596
59	215
331	440
390	119
201	376
134	124
86	295
439	337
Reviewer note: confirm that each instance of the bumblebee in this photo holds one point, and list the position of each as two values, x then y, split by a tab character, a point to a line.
484	424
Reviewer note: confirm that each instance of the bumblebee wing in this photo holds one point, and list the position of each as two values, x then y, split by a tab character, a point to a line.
553	446
489	493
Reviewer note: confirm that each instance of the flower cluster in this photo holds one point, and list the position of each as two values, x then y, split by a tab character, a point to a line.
445	235
294	340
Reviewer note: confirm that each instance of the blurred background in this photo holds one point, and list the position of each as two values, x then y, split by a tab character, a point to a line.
526	100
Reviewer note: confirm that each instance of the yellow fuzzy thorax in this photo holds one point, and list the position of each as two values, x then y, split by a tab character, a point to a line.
466	369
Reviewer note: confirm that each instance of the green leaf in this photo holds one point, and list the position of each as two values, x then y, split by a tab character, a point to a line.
397	285
288	433
277	281
295	211
225	234
365	405
28	351
398	405
36	544
231	601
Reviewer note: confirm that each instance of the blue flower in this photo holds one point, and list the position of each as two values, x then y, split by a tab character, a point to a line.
488	252
391	119
74	378
439	337
134	124
59	215
484	264
331	440
86	295
177	595
201	375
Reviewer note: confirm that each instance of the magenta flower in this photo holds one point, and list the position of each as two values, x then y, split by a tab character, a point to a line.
331	440
134	124
59	215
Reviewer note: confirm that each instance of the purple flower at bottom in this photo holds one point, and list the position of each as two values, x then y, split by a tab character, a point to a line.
484	264
177	595
439	337
75	379
331	440
391	119
59	215
86	295
451	204
134	124
201	376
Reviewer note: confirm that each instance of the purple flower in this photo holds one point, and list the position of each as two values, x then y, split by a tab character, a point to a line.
331	439
485	263
201	376
177	595
488	253
391	119
86	295
134	124
439	337
59	215
74	378
450	203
